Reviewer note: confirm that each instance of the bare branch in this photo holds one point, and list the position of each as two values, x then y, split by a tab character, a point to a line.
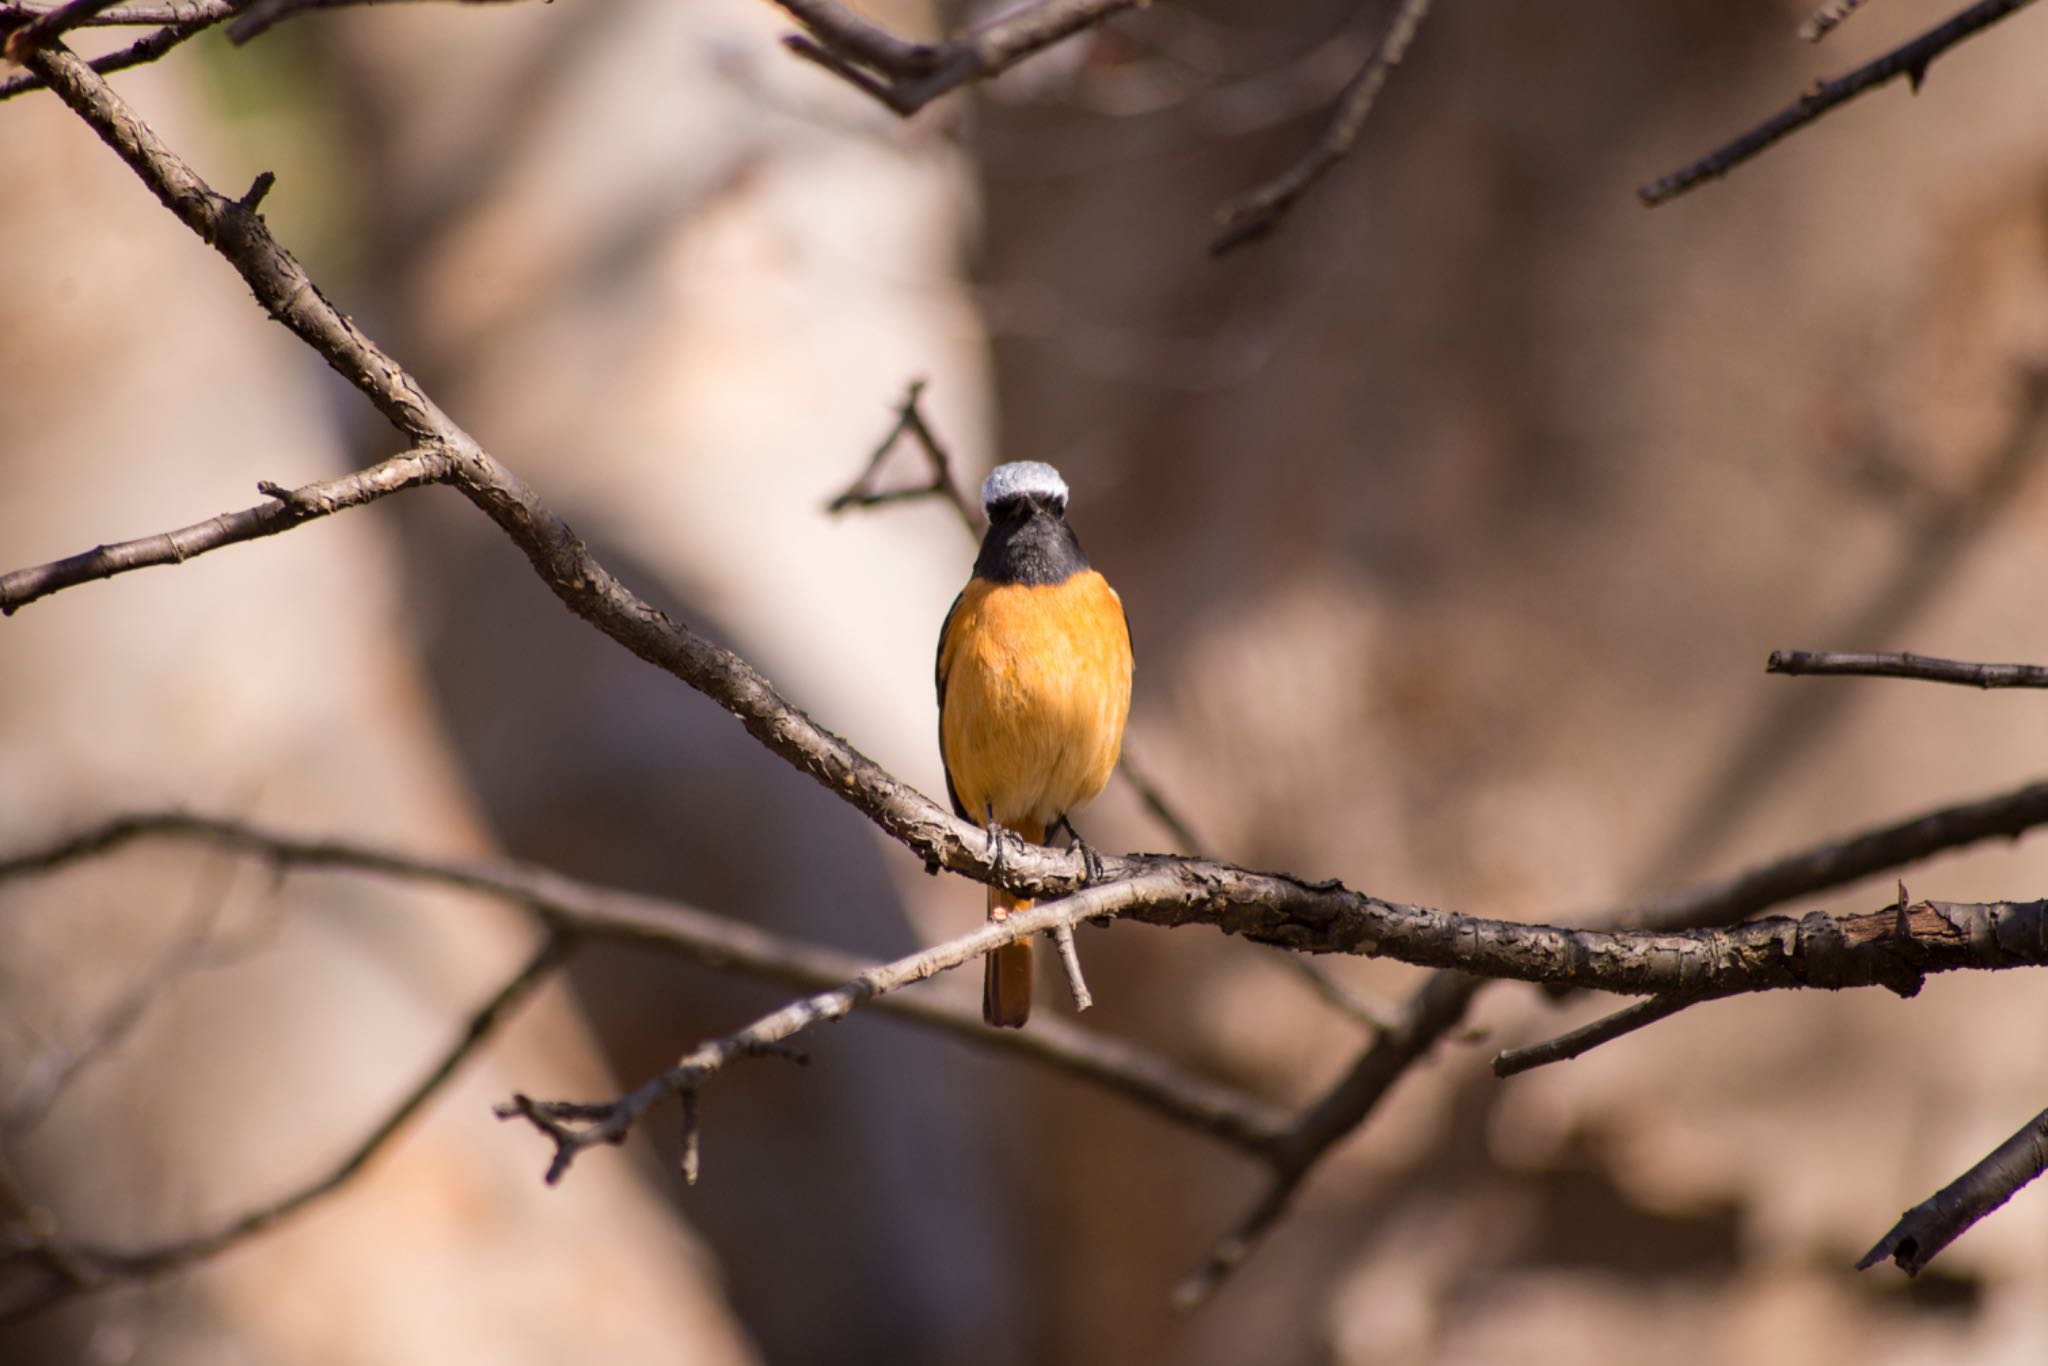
1070	965
1840	862
862	493
1436	1009
47	26
1909	60
286	509
574	1127
1828	18
588	911
1511	1061
1165	812
1440	1004
1892	947
1260	212
1930	1226
907	76
124	16
1901	665
143	50
62	1268
1376	1016
54	1068
257	16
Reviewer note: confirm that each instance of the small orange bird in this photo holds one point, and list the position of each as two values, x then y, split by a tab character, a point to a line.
1034	677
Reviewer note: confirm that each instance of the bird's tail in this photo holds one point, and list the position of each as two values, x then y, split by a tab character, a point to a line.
1006	972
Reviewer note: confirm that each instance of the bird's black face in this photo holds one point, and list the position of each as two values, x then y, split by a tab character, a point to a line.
1022	507
1029	541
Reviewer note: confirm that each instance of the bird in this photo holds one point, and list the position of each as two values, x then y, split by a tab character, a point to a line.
1034	681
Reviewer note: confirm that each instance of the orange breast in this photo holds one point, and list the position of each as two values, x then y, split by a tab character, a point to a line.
1036	682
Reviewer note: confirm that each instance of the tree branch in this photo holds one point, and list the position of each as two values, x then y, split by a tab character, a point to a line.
1437	1008
1901	665
40	1269
286	509
1513	1061
1440	1005
1930	1226
1909	60
49	25
126	16
1257	214
907	76
862	493
587	911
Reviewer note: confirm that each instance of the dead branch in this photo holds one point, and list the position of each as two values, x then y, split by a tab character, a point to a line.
910	421
1573	1043
38	1268
1909	60
1440	1004
1903	665
906	76
286	509
1924	1230
581	910
1260	212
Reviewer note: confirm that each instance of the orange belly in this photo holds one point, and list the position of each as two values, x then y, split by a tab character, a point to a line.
1036	685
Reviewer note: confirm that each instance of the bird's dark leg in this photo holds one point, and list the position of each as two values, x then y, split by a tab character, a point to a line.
1091	862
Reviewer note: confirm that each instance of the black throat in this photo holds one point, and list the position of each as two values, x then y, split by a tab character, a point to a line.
1029	542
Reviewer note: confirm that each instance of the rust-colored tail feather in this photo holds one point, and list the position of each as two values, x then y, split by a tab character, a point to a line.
1006	974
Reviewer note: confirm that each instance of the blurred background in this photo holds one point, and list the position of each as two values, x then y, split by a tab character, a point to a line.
1454	524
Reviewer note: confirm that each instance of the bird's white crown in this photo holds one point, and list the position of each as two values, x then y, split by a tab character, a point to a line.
1025	478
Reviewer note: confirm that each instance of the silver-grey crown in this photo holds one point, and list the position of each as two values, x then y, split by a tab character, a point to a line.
1027	478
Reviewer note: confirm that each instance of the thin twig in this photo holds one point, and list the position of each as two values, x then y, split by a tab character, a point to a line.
1437	1008
907	76
1924	1230
1828	18
1070	965
1927	558
1375	1015
1909	60
1841	862
1169	816
52	1071
1257	214
1902	665
286	509
72	1268
47	26
910	422
142	51
1571	1044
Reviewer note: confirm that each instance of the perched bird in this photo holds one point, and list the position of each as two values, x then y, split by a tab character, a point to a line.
1034	678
